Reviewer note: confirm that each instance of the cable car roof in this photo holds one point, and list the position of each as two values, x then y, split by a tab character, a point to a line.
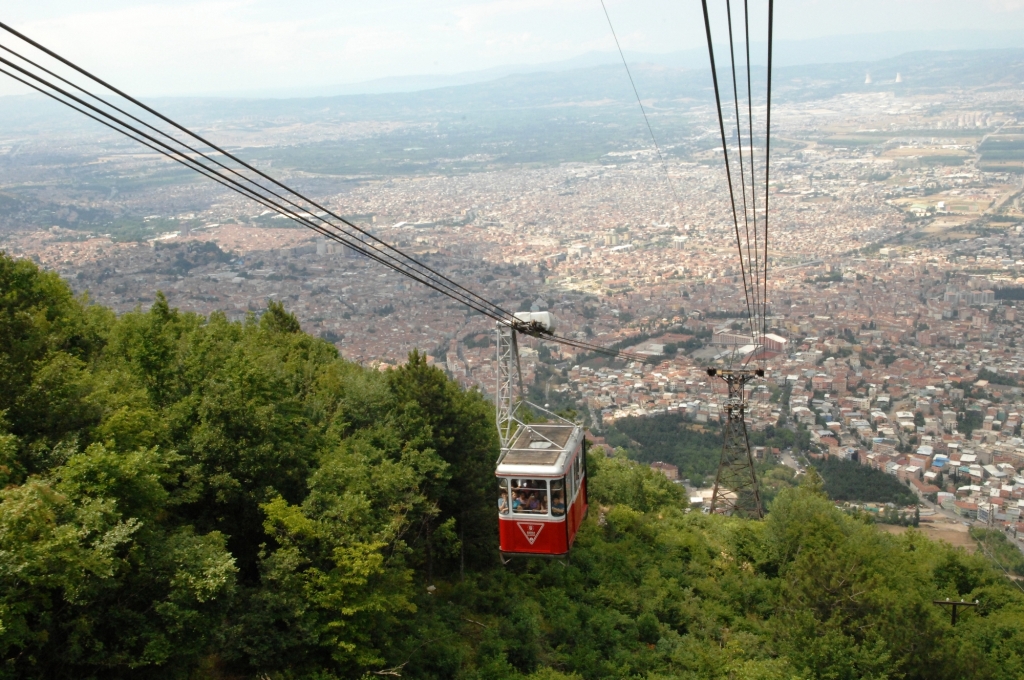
542	449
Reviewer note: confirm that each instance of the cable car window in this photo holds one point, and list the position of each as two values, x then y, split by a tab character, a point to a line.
576	470
530	496
558	497
503	502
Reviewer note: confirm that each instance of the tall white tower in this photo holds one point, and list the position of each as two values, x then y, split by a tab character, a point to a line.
867	79
899	78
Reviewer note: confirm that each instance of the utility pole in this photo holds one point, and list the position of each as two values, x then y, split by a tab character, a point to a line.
736	491
952	604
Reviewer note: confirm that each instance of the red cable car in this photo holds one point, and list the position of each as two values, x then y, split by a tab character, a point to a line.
542	469
542	490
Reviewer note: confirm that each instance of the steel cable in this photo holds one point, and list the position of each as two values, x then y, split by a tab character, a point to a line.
767	158
376	250
249	167
753	178
743	180
725	152
657	148
192	164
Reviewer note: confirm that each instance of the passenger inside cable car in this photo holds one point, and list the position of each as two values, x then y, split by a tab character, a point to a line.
542	494
558	497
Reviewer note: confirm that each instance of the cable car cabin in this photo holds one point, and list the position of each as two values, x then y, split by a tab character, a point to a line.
542	490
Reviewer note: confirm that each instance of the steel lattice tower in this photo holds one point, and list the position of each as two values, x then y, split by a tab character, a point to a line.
736	491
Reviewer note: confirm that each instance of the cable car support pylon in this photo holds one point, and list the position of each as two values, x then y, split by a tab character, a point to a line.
736	491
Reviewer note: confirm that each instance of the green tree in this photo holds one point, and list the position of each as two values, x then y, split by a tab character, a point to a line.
192	497
94	578
618	480
47	339
457	425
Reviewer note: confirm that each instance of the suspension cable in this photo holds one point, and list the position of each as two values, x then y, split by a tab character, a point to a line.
753	186
767	158
376	250
243	164
743	188
192	164
657	148
308	213
725	152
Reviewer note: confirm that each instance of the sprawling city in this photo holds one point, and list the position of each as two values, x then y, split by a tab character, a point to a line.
891	344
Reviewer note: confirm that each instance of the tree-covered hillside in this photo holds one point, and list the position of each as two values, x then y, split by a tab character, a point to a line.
193	498
847	480
694	449
673	439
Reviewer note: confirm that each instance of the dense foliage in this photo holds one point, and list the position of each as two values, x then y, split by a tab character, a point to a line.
1010	293
847	480
694	449
194	498
994	544
996	378
970	420
671	438
179	484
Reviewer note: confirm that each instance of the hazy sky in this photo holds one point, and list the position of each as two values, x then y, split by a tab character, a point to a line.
189	47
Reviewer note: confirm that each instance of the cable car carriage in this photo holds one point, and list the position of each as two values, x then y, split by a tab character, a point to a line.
542	472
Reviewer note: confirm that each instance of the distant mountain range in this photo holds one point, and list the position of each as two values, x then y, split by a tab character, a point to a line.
580	111
589	90
828	50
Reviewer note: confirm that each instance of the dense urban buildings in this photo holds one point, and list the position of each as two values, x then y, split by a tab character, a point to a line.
896	265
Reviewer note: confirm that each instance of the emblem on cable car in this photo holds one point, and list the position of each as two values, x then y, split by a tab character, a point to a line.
531	531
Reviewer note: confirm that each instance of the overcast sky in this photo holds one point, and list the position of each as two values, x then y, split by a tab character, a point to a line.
174	47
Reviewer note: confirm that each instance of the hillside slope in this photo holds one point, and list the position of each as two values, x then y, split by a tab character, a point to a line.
193	498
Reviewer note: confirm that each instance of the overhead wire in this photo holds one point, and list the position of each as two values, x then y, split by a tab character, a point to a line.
643	110
743	181
992	557
725	152
148	141
756	262
753	177
447	281
767	166
376	250
590	347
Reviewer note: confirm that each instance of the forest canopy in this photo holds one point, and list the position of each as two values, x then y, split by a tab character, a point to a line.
189	497
847	480
695	449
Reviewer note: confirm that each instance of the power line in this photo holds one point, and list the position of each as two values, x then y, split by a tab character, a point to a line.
992	557
376	249
140	137
725	152
242	163
622	55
